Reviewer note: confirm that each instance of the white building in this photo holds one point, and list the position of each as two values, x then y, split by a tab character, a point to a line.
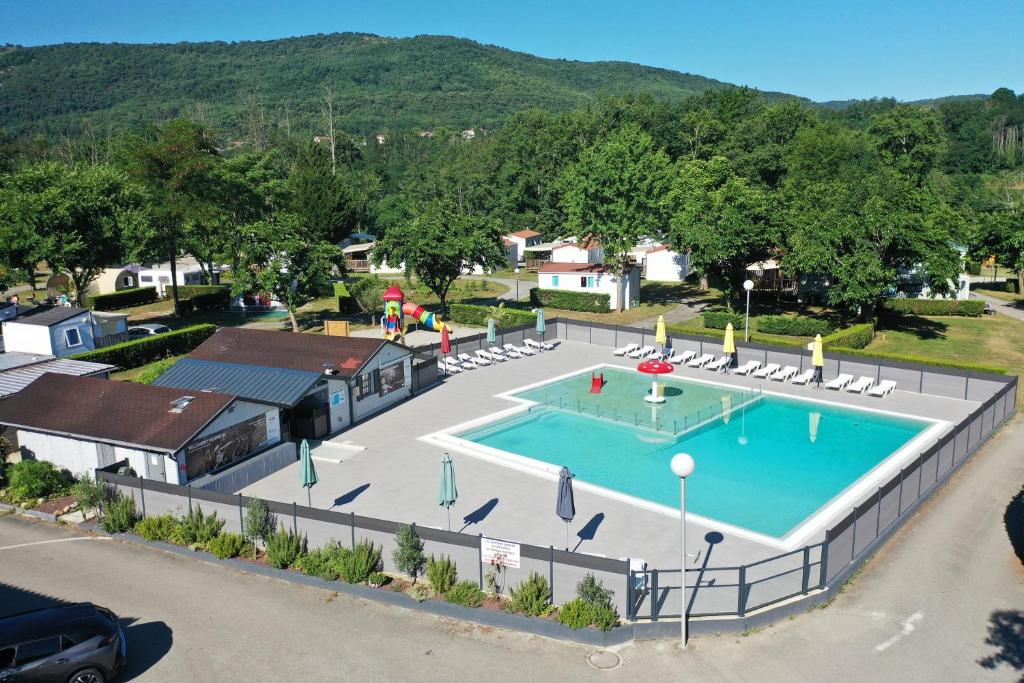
661	264
158	275
112	280
591	278
63	330
359	259
518	241
576	251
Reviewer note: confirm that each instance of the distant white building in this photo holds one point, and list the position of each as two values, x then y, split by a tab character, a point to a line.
63	331
593	278
158	275
520	240
662	264
577	251
359	259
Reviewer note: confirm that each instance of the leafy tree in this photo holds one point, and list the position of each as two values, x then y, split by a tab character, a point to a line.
331	202
615	193
1001	234
408	553
909	139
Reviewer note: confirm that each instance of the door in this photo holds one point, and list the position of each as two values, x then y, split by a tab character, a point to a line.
105	452
155	467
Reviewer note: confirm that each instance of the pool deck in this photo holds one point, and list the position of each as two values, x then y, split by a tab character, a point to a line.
396	476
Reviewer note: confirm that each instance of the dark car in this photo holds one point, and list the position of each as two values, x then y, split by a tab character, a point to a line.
79	643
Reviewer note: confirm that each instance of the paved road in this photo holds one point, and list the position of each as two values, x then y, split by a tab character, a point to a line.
921	611
1001	306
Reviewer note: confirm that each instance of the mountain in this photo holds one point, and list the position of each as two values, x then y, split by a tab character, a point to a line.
930	102
408	83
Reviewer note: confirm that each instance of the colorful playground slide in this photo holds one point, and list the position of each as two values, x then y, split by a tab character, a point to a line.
426	318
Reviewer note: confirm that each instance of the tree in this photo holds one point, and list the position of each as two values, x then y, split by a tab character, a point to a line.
331	203
1001	234
615	193
721	220
440	243
909	139
408	553
281	258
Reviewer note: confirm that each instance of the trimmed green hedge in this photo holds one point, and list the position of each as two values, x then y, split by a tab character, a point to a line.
133	354
468	314
1011	287
717	320
793	326
853	337
135	296
192	291
920	360
720	334
971	307
570	301
972	267
211	301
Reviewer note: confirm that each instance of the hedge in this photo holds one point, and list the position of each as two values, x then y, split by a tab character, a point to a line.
1011	287
192	291
920	360
469	314
972	267
133	354
971	307
717	320
135	296
720	334
853	337
570	301
792	326
211	301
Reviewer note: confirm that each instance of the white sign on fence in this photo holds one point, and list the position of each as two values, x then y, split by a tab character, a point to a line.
494	551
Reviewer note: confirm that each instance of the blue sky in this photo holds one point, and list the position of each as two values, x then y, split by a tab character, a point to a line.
828	49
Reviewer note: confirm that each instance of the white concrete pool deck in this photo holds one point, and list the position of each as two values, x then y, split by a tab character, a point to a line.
396	476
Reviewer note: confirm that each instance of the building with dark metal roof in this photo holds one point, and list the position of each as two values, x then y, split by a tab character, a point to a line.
281	387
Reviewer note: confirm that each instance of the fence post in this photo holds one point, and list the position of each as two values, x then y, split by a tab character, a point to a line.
967	384
551	571
190	499
741	603
806	579
839	365
241	518
352	525
480	558
899	503
878	518
142	494
630	593
920	383
824	563
295	518
853	541
654	595
878	374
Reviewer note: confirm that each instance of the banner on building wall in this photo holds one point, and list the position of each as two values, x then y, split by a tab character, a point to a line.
226	446
392	378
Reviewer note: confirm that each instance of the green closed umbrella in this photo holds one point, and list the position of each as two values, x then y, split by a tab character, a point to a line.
540	324
492	336
308	472
447	493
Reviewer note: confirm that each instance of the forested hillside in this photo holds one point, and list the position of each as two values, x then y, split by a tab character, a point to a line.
380	83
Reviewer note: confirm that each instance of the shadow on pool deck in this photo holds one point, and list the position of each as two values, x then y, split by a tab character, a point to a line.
480	514
347	498
589	530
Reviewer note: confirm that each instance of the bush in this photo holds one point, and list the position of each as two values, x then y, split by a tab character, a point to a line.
192	291
793	326
468	314
360	563
119	515
717	320
590	590
90	494
367	292
441	574
31	479
378	579
212	301
570	301
970	308
575	614
918	360
592	606
284	548
531	597
853	337
159	528
199	529
227	545
325	562
465	593
122	299
408	555
154	370
133	354
259	521
972	267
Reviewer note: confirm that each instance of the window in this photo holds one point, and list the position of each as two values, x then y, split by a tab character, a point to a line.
165	279
365	385
6	658
38	649
554	280
590	282
72	337
127	281
146	278
583	281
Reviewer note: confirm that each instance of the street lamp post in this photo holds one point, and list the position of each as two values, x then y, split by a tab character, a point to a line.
517	283
747	285
682	467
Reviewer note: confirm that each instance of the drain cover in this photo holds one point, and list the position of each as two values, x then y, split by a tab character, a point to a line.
603	659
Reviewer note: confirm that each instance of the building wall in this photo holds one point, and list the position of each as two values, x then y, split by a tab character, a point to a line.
27	338
78	456
604	283
238	411
59	342
386	356
667	266
338	399
571	253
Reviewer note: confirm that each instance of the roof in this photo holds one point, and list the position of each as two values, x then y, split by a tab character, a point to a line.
556	267
524	233
47	621
15	379
270	349
507	242
48	315
277	386
17	359
356	248
589	243
544	246
111	411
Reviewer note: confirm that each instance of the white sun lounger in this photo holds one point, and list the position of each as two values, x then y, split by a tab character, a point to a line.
534	344
510	351
861	385
521	350
747	367
623	350
719	364
785	373
484	355
839	382
469	362
767	370
642	352
451	365
886	386
804	377
683	357
498	353
701	361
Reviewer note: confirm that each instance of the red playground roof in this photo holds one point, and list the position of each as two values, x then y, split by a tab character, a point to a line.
393	294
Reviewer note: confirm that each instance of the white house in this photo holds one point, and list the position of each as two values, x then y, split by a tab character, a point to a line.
662	264
63	330
114	280
359	259
593	278
158	275
518	241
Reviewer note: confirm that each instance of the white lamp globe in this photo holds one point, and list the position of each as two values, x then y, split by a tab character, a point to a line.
682	465
748	285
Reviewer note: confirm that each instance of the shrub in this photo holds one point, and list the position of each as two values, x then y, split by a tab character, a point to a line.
794	326
122	299
259	521
604	617
284	548
420	593
212	301
119	515
378	579
89	494
159	528
972	267
441	574
199	529
30	479
154	370
359	563
468	314
465	593
367	292
531	597
918	360
592	591
853	337
575	614
324	562
133	354
717	320
227	545
192	291
408	555
971	307
570	301
592	606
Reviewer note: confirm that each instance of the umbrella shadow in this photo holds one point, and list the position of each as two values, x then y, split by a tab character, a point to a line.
478	515
589	530
347	498
712	538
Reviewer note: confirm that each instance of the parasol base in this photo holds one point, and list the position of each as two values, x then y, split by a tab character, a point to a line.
654	399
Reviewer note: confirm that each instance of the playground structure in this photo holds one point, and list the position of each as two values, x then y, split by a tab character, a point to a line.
395	310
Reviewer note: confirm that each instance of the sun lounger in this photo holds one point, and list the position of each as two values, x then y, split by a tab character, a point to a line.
701	361
521	350
534	344
623	350
482	355
886	386
861	385
804	377
498	353
839	382
683	357
747	367
642	352
510	351
475	362
719	364
785	373
767	370
451	365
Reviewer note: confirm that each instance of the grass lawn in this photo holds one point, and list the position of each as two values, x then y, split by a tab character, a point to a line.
1002	294
134	374
657	298
524	275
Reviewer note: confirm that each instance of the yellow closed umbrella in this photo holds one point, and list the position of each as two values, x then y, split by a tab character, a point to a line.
817	359
660	335
729	345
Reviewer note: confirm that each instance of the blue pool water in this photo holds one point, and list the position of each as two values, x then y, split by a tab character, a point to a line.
757	467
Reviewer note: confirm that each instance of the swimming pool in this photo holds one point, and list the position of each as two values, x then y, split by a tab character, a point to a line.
765	463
